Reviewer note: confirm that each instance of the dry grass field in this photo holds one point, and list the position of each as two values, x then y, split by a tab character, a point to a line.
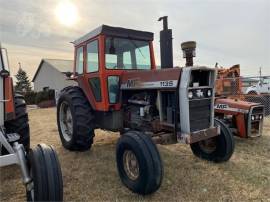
92	175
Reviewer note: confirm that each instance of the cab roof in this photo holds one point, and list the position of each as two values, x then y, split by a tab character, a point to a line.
116	31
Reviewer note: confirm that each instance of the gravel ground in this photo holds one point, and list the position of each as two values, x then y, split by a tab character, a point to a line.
92	175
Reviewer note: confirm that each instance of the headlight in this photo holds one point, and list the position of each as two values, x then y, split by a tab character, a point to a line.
190	95
261	117
209	93
252	118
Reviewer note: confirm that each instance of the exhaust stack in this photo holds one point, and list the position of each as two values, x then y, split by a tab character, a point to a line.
166	47
189	51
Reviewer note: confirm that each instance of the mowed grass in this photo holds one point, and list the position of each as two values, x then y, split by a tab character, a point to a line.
92	175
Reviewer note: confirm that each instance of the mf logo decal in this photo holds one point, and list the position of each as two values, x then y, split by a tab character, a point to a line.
199	93
137	83
132	83
221	106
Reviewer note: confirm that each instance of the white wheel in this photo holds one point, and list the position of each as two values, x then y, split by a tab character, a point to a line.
66	121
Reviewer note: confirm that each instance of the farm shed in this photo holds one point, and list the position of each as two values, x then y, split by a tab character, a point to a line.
51	74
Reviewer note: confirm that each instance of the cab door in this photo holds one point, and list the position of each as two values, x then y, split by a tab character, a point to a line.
90	73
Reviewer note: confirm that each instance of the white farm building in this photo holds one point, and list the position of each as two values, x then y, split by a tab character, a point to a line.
51	74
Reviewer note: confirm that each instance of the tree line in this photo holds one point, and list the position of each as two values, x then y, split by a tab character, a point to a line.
23	86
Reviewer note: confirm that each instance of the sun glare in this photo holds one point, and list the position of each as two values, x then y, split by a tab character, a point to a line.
66	13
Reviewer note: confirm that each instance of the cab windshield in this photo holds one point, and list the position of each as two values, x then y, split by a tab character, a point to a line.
122	53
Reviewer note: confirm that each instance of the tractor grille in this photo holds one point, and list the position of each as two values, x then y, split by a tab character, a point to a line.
200	114
257	110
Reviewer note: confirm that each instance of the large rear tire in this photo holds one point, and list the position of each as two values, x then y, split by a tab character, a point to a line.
139	164
45	171
75	120
216	149
20	124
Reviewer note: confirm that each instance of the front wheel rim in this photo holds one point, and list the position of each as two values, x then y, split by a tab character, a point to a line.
209	145
131	165
66	121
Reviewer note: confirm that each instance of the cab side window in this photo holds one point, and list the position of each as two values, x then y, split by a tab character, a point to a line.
92	56
79	60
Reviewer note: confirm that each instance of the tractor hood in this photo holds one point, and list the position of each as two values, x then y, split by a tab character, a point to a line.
150	79
234	103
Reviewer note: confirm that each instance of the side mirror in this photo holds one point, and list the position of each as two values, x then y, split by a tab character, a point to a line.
4	73
68	74
75	74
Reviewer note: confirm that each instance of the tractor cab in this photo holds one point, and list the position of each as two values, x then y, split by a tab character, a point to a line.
101	57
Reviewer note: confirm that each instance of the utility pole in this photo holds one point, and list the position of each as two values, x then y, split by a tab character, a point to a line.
260	72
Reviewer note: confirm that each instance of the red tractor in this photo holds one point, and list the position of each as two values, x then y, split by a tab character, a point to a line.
40	168
120	89
245	119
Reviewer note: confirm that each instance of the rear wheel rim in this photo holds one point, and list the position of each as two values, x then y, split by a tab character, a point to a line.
131	165
66	121
209	145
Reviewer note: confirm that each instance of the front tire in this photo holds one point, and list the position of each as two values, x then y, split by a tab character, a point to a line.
45	171
216	149
75	120
139	164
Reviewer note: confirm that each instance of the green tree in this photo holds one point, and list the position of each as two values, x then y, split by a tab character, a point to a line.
22	84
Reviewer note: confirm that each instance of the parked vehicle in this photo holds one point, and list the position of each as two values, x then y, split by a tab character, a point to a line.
263	86
120	89
244	118
40	168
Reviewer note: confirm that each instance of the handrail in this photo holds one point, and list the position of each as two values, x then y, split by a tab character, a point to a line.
5	100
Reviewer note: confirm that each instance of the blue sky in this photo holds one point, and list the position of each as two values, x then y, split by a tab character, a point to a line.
228	32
